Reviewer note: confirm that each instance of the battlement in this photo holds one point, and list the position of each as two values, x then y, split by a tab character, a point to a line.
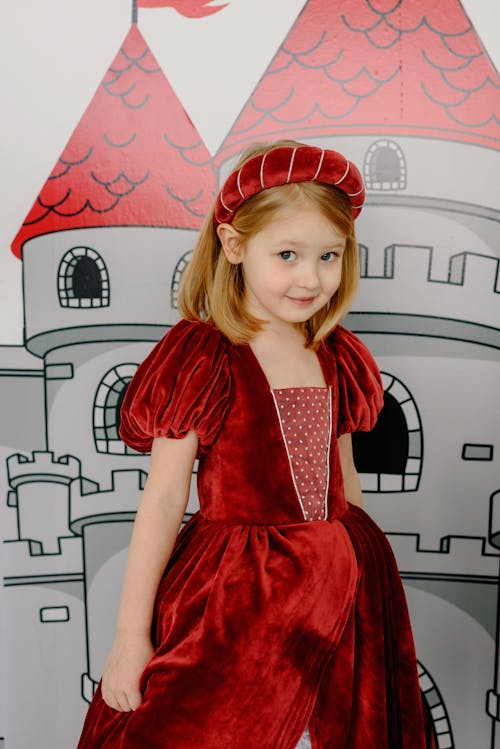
23	567
458	557
42	467
120	502
470	292
40	488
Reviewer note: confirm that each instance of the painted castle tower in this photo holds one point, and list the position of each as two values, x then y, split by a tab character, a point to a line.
109	235
406	91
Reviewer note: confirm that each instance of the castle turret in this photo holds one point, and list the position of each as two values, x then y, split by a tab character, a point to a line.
104	520
397	89
104	247
40	488
120	207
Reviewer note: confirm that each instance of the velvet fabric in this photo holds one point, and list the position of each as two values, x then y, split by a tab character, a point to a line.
288	164
265	623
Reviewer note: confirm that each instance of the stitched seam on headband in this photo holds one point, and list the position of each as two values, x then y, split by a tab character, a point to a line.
224	205
238	184
262	172
291	166
320	164
345	174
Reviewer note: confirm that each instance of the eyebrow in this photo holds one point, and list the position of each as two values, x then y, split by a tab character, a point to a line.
327	247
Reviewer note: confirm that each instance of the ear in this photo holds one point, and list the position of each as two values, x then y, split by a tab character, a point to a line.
231	242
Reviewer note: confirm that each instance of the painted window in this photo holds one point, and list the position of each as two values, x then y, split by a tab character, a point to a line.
363	260
385	166
50	614
389	458
437	723
82	279
176	278
474	451
106	413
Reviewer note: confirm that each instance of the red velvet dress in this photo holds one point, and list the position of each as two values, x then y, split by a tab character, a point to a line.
265	621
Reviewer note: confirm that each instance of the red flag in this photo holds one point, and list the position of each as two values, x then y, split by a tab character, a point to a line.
189	8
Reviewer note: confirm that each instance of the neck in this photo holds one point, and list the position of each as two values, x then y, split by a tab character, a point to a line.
285	333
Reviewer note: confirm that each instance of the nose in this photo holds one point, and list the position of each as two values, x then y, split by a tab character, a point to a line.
308	276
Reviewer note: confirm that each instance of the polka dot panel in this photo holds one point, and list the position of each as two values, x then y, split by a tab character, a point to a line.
305	420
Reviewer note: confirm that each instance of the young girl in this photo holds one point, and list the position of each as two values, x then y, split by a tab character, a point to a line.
279	605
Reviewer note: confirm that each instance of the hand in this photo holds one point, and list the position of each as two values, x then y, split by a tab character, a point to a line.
122	672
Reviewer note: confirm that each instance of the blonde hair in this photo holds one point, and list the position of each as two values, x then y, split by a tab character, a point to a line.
213	289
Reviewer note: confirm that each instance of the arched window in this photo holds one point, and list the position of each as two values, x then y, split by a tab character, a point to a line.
385	166
389	458
437	723
176	278
107	404
82	279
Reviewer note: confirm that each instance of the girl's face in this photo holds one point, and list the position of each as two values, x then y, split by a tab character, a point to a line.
293	266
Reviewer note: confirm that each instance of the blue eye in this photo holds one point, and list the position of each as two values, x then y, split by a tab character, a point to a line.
288	255
328	256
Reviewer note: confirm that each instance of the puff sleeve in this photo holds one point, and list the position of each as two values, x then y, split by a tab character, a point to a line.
361	395
182	385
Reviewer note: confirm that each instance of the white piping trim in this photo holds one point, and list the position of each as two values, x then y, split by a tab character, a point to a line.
238	184
291	165
320	164
330	419
289	456
353	194
345	174
224	205
262	172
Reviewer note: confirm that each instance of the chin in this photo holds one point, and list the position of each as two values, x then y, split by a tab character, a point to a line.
306	314
300	318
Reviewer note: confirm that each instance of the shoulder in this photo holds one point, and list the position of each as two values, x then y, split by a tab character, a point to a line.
348	348
189	347
191	335
190	351
360	388
182	384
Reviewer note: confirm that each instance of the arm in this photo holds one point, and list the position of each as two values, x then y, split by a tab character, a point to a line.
352	484
156	526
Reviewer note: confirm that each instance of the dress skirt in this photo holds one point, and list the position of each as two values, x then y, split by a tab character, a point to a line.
259	633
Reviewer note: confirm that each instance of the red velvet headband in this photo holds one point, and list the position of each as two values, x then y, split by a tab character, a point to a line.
286	164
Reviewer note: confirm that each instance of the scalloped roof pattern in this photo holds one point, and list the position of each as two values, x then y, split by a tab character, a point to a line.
376	66
134	159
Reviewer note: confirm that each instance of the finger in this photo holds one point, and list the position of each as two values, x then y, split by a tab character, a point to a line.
110	700
134	698
113	698
123	702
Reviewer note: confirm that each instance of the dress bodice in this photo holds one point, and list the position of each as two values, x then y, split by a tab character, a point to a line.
194	379
251	452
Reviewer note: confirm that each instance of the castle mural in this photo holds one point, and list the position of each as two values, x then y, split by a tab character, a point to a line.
406	92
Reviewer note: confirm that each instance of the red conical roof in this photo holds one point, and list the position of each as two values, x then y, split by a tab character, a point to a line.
376	66
134	159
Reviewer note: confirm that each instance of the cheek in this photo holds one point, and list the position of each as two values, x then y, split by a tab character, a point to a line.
332	280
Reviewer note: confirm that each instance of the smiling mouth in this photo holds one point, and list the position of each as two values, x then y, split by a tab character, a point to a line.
302	300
